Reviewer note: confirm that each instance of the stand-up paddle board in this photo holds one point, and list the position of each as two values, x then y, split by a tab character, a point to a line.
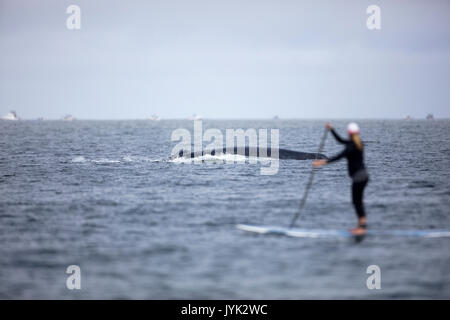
324	233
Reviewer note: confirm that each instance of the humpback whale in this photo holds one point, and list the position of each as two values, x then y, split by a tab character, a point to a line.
283	154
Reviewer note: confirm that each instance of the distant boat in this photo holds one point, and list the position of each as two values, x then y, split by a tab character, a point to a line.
154	117
69	117
196	117
11	116
276	118
430	116
408	118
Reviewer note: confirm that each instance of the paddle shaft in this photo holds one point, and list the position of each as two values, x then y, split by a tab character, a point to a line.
310	181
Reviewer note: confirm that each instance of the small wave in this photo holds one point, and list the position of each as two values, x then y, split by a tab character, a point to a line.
104	160
124	159
420	184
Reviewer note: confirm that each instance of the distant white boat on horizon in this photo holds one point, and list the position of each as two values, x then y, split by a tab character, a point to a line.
11	116
196	117
154	117
69	117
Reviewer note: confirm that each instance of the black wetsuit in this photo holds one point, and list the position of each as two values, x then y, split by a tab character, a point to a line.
356	170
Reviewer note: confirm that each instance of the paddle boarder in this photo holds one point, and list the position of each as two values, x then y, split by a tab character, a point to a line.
354	152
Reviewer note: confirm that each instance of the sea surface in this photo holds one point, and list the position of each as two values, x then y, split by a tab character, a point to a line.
103	195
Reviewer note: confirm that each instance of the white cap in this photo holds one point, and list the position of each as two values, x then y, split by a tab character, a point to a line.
352	128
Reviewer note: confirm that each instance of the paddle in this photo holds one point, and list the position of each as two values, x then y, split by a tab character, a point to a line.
310	181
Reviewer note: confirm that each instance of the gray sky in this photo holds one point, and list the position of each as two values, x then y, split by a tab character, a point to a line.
225	59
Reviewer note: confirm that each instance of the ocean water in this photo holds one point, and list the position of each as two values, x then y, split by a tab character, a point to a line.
102	195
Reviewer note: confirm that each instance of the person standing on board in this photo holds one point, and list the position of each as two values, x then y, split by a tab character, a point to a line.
354	153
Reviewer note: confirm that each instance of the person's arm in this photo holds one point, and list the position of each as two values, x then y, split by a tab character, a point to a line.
338	137
322	162
338	156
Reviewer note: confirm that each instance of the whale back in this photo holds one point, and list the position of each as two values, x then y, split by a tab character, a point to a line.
283	154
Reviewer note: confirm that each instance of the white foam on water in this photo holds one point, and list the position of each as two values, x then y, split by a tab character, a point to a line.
129	158
79	159
229	158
